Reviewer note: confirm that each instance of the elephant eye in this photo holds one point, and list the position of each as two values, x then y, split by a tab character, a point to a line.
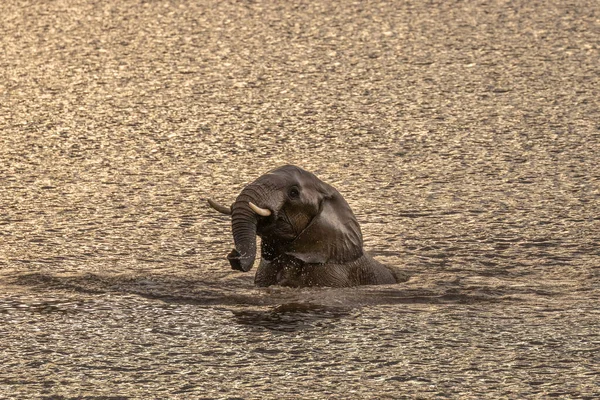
294	193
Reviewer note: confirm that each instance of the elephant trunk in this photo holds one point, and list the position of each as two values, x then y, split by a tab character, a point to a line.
244	220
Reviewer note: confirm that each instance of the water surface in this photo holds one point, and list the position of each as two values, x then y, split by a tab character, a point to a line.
464	136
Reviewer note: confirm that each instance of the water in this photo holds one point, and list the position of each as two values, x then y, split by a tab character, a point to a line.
72	346
464	137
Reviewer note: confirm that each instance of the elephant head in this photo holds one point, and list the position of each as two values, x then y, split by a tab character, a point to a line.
296	214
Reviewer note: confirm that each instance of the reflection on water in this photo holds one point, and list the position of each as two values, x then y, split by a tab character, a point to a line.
291	317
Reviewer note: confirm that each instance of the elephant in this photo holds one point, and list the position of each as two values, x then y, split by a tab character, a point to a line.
309	235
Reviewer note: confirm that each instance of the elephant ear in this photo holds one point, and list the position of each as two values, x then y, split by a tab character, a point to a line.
333	235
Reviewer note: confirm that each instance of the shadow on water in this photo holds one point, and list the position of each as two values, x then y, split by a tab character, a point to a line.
179	290
276	309
156	287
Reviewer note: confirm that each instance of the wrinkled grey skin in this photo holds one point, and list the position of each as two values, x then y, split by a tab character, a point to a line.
310	238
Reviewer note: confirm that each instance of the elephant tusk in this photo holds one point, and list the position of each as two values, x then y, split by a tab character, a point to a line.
219	208
260	211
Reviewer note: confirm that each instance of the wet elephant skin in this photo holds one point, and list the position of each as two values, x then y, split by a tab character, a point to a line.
310	236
